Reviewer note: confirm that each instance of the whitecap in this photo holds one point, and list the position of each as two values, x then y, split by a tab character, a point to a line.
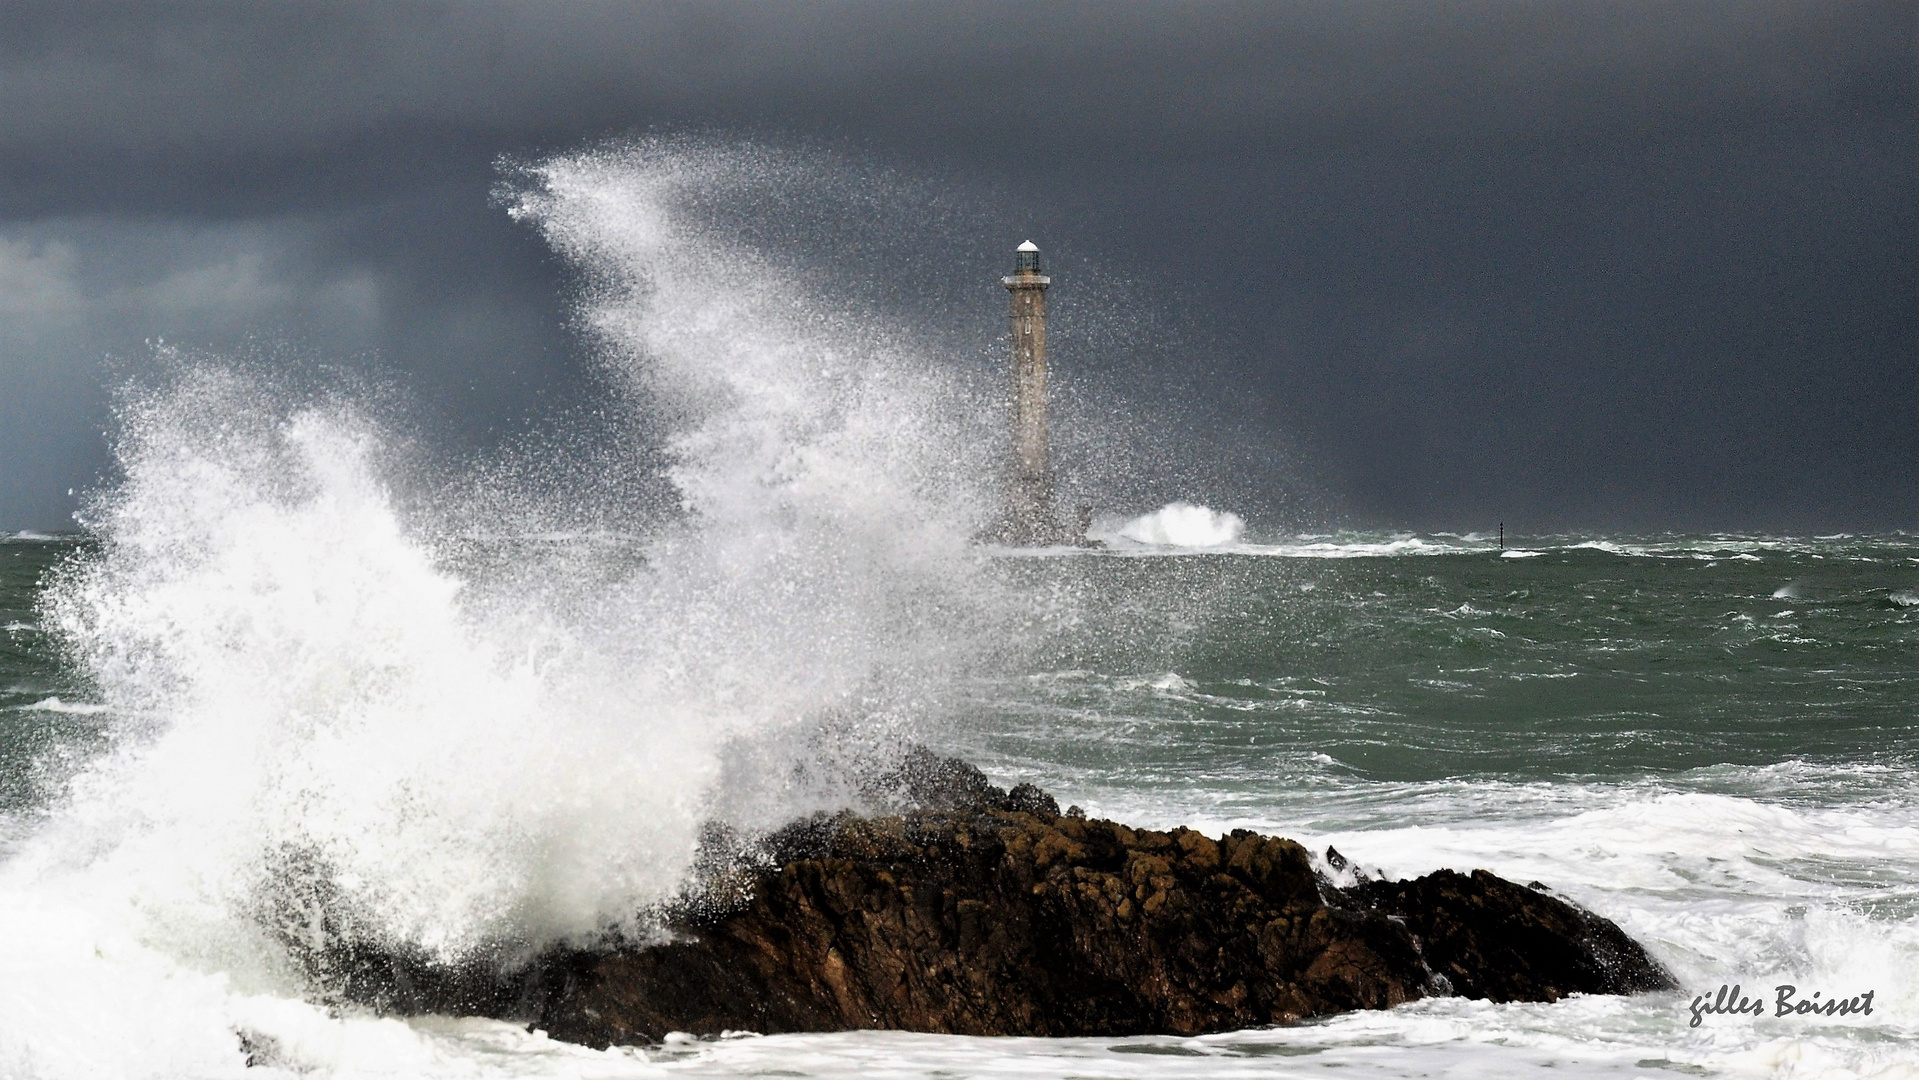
55	705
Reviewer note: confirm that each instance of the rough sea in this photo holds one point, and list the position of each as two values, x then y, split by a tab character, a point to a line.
290	684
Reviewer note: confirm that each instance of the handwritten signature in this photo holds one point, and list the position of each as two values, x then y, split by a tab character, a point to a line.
1786	1002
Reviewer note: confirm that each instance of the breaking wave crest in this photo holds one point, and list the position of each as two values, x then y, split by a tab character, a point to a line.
334	718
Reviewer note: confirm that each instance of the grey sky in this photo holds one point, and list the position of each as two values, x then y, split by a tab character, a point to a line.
1558	264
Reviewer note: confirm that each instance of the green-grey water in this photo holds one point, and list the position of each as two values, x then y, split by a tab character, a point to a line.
1608	659
44	714
1366	659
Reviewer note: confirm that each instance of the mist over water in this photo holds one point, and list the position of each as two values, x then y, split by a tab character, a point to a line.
303	685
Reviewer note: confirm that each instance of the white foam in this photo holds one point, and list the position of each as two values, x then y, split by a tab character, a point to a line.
55	705
1171	682
1393	545
1755	887
1309	547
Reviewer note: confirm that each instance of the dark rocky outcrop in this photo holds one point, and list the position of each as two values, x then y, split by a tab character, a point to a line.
989	912
1486	937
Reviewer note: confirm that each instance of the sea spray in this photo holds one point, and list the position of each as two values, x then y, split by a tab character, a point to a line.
292	673
830	477
332	725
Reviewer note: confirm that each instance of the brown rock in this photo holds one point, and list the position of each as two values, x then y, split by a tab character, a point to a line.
1012	923
992	914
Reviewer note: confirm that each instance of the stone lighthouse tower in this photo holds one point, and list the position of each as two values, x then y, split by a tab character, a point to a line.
1029	489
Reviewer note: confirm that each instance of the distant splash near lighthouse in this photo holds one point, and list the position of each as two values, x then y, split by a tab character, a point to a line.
1182	525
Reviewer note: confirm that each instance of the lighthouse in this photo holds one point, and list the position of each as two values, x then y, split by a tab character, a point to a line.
1029	517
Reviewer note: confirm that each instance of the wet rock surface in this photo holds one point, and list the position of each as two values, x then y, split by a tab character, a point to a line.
991	913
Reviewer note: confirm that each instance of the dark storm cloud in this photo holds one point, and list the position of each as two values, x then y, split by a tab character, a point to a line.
165	84
1582	263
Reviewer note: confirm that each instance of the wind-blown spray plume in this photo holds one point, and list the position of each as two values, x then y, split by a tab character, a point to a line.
330	726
